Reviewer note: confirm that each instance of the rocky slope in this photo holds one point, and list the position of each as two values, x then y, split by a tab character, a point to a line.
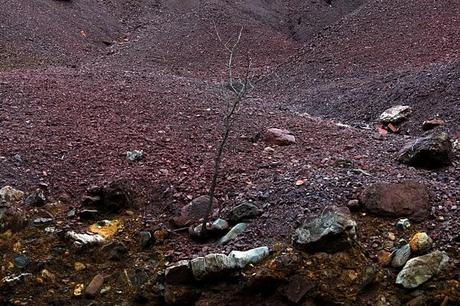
84	82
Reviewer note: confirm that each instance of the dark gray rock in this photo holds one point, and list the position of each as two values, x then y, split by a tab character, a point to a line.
400	256
21	261
36	198
431	151
179	273
330	232
244	212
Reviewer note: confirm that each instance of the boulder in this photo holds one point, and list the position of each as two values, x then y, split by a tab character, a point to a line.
330	232
233	233
244	212
407	199
279	137
431	151
420	269
396	114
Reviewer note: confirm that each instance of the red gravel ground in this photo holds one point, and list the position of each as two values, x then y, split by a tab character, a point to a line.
82	82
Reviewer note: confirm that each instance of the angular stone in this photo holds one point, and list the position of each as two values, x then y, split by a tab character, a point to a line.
420	269
432	151
296	288
407	199
400	256
194	211
210	265
37	198
82	239
431	124
279	137
396	114
135	155
243	212
94	286
330	232
233	233
179	273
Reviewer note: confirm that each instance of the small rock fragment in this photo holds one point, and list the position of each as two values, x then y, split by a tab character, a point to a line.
431	124
233	233
78	290
78	266
94	286
135	155
383	258
145	239
81	239
403	224
21	261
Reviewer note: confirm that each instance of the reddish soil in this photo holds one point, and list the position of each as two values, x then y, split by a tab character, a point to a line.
82	82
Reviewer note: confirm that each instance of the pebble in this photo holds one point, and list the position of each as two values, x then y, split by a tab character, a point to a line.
21	261
79	266
94	286
403	224
421	243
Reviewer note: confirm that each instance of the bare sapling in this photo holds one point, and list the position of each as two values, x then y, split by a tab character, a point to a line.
234	90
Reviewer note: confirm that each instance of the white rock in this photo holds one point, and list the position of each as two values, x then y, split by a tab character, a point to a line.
253	256
396	114
81	239
210	264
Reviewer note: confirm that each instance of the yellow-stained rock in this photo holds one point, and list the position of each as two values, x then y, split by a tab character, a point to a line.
106	228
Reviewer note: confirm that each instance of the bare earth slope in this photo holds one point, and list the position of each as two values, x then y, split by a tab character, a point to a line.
83	82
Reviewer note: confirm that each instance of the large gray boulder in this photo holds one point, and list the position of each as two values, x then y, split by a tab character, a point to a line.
431	151
330	232
420	269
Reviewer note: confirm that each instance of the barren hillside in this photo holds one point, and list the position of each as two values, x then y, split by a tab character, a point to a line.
319	202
